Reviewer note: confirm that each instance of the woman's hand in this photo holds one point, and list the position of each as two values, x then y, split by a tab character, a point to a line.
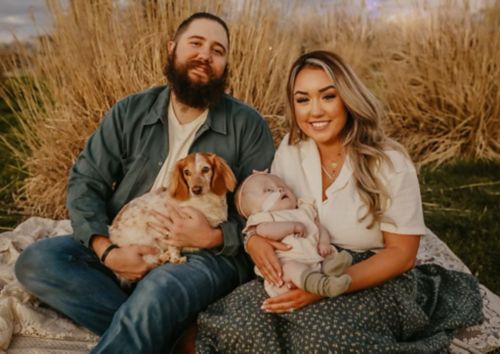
290	301
262	252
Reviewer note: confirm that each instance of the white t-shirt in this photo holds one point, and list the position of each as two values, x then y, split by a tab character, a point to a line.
180	138
300	167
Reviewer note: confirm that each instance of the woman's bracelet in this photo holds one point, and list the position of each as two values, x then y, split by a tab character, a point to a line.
107	250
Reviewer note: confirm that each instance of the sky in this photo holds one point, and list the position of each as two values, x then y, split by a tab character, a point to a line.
16	16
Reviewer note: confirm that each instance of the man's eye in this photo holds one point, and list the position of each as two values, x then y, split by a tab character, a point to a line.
218	51
187	173
195	44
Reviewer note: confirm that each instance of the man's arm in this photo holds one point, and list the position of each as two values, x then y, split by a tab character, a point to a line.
91	179
256	153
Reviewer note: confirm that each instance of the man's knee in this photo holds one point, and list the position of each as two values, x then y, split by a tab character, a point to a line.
37	261
29	263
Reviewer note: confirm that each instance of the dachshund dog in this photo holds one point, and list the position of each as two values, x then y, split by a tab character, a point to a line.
200	180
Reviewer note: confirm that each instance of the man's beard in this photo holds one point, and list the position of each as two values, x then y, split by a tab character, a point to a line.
194	94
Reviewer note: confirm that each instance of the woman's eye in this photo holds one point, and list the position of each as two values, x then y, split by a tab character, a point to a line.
187	173
302	100
205	170
329	97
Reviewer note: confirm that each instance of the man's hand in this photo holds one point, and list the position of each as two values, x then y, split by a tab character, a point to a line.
262	252
186	227
128	261
290	301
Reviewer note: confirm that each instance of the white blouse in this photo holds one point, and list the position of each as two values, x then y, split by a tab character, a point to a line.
300	167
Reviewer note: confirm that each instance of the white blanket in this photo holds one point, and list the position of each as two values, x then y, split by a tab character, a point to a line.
26	326
20	313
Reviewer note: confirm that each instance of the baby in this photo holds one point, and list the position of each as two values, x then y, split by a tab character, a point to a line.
273	212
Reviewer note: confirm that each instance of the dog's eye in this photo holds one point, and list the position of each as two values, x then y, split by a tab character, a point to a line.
187	173
205	169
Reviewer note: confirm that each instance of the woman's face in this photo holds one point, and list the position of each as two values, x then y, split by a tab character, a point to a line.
319	111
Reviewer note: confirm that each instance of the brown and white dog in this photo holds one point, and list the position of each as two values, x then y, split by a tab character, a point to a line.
200	180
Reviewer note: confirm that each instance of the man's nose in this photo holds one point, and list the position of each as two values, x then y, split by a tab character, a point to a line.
204	53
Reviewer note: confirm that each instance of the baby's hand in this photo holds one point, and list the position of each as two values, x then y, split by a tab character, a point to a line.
299	229
324	249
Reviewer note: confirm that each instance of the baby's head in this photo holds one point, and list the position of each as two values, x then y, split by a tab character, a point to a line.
262	191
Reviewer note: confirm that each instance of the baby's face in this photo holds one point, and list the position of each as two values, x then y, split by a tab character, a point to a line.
267	192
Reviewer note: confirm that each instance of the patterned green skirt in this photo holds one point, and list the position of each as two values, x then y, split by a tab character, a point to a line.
418	312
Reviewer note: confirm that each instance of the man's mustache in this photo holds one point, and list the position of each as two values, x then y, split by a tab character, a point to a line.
200	63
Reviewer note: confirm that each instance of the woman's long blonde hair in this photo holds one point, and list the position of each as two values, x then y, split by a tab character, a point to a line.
363	137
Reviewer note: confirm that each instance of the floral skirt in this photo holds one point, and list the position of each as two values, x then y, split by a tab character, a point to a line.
417	312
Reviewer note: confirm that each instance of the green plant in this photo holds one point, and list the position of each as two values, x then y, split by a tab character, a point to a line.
461	207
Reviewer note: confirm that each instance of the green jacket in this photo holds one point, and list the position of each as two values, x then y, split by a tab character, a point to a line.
124	155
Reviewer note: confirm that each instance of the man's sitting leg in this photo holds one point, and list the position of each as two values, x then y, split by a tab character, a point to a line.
166	301
70	278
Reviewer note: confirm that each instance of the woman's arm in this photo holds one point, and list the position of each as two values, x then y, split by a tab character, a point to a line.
397	257
262	252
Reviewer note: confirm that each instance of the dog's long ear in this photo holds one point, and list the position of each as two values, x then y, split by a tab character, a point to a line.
178	187
223	178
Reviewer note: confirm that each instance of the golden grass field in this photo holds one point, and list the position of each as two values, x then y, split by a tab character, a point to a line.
437	70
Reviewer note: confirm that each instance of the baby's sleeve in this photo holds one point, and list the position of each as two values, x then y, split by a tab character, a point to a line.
256	219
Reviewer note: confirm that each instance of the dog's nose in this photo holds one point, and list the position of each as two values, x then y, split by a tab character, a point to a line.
196	189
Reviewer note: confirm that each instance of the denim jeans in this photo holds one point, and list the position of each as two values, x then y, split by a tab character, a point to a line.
69	277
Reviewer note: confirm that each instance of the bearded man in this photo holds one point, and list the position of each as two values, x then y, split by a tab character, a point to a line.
132	151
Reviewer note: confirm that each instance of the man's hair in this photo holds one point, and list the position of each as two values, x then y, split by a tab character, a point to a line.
199	15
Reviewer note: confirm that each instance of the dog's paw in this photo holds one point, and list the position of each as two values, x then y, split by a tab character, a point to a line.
178	260
154	259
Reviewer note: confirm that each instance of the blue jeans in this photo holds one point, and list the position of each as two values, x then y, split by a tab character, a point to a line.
68	276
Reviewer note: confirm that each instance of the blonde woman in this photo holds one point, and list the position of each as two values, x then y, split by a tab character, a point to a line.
367	194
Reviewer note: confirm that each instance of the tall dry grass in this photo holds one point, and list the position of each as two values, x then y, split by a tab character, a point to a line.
440	78
347	28
438	74
436	67
100	52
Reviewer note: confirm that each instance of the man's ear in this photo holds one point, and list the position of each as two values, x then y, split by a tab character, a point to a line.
170	47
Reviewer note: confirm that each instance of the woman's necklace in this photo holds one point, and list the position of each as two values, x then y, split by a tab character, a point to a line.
335	167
